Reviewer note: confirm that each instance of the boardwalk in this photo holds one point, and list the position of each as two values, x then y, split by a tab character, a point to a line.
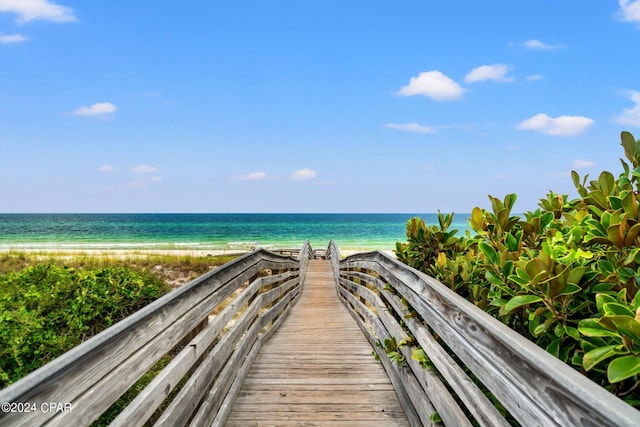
317	369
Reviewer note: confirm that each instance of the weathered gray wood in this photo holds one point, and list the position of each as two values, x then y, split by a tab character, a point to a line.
475	400
396	376
438	394
415	404
315	356
276	314
224	409
94	374
215	396
190	395
144	405
418	399
233	371
274	294
465	349
537	388
442	400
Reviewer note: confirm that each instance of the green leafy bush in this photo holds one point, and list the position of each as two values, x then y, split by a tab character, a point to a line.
47	309
565	276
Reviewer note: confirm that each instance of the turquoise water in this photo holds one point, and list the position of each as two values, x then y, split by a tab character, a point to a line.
206	231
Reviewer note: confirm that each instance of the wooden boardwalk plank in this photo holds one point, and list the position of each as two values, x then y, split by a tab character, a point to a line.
317	369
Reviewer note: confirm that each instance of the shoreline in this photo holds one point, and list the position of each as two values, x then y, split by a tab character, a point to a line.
133	253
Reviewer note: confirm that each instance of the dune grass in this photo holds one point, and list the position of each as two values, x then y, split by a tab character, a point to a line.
175	269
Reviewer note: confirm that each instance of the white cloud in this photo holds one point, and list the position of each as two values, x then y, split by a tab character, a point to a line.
303	174
534	77
45	10
12	38
106	169
538	45
582	164
411	127
144	169
559	126
98	109
253	176
433	84
495	72
630	116
629	10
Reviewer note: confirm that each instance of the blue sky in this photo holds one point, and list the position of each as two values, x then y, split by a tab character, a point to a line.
310	106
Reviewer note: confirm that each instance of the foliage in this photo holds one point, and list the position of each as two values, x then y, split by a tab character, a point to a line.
426	243
393	350
173	268
47	309
565	276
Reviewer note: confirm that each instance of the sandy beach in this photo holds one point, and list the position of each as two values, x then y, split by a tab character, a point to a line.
142	253
124	253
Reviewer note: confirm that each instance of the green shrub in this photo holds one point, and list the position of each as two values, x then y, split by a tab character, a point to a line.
47	309
565	276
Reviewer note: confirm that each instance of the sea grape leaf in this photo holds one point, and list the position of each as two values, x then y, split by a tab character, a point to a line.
520	301
570	289
606	182
597	355
626	325
489	252
616	309
592	328
622	368
602	299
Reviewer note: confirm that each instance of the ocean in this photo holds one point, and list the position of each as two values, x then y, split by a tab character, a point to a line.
206	231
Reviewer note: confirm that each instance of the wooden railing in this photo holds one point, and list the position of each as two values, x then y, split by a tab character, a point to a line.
472	359
476	370
212	328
